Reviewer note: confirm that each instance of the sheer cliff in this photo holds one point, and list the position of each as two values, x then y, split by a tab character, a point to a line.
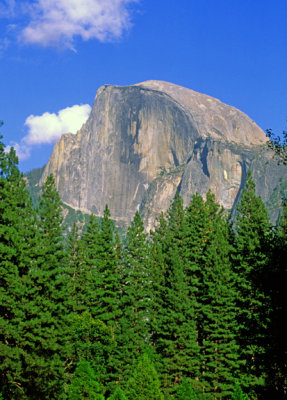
141	143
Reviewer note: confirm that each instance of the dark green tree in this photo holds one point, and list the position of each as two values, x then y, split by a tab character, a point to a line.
275	287
85	278
173	322
211	281
251	260
46	327
109	268
96	281
136	294
17	243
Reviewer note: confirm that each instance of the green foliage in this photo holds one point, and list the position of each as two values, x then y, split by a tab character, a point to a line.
80	316
136	294
46	325
92	340
251	264
173	324
144	383
275	287
238	394
17	241
185	391
84	384
118	395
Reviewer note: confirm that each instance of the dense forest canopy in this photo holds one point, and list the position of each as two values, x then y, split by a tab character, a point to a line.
192	310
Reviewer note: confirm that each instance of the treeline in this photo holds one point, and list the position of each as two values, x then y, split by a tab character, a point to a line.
193	310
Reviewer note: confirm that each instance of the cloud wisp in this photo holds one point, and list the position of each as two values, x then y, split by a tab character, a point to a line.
48	127
59	22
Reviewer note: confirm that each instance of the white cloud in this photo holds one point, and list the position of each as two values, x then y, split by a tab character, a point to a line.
58	22
48	127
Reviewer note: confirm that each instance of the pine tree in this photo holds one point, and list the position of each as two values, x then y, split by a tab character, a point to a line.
96	281
252	251
45	331
144	383
85	276
275	287
211	281
173	323
84	384
135	302
17	241
108	264
216	299
96	278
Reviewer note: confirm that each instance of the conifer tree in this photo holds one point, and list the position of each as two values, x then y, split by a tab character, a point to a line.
252	251
275	287
208	269
136	287
144	383
84	384
17	241
173	324
96	278
46	328
109	267
216	299
85	276
92	340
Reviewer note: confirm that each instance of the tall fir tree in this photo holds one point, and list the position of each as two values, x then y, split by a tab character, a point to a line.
95	281
251	259
173	322
46	328
17	242
136	295
211	281
84	274
275	287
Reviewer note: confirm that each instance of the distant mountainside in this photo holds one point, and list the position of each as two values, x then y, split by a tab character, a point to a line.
144	142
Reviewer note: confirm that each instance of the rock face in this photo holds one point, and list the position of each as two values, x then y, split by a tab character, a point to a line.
141	143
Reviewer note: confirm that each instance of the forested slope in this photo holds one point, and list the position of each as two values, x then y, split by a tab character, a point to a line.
192	310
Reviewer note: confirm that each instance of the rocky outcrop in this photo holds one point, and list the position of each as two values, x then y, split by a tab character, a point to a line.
141	143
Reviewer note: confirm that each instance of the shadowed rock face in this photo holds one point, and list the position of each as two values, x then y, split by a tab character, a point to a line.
141	143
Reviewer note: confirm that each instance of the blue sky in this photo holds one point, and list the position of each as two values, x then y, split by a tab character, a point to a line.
55	54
